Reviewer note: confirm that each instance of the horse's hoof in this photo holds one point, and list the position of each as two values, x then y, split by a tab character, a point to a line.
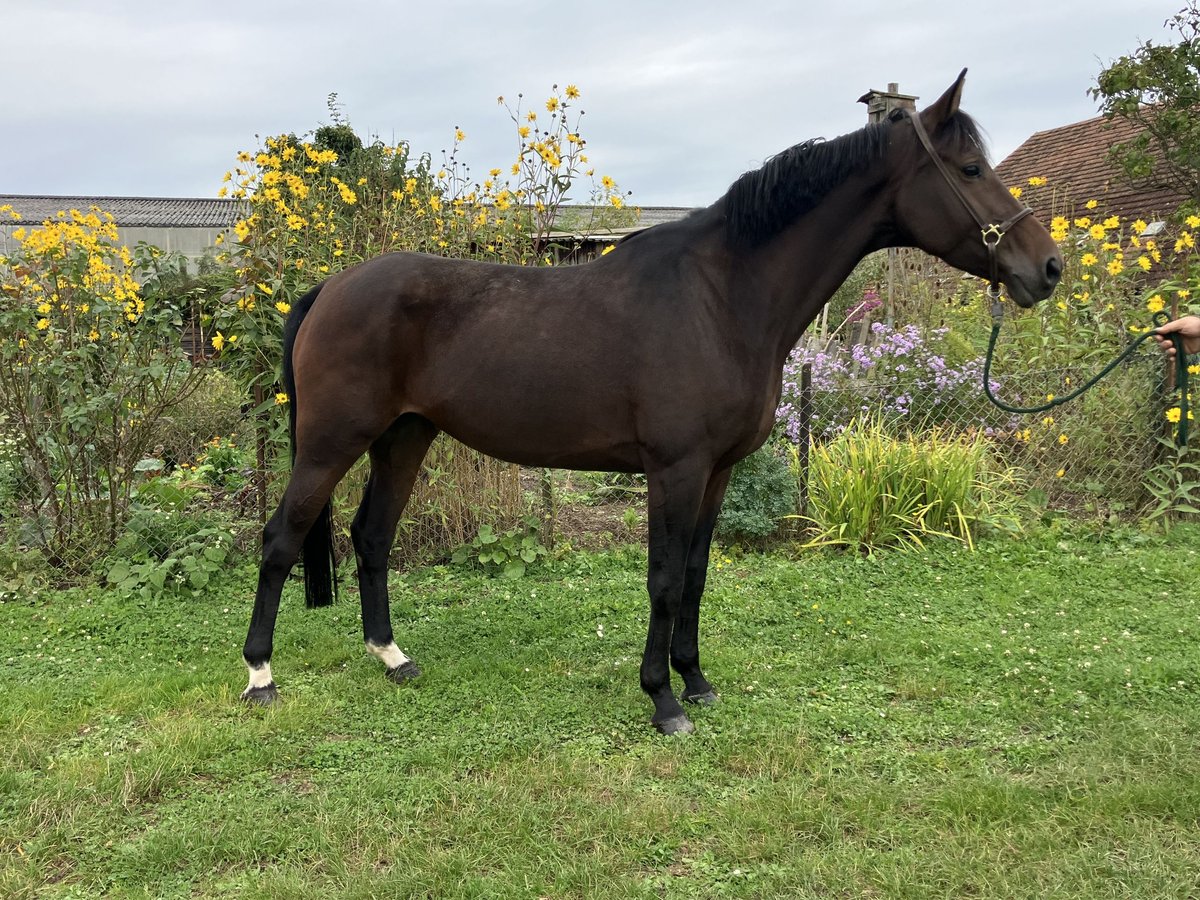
266	695
406	671
708	698
675	725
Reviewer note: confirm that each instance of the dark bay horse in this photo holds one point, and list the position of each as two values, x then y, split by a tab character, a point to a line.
664	357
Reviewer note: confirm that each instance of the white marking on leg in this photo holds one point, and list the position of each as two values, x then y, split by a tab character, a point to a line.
390	654
260	676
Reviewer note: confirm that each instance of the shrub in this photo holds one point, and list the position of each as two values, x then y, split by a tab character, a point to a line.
762	492
89	361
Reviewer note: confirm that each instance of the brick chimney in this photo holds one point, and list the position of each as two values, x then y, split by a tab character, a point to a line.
880	103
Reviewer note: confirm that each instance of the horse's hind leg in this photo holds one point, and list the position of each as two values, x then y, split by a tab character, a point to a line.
395	461
307	493
685	649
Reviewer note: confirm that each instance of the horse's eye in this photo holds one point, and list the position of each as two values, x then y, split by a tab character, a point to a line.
972	171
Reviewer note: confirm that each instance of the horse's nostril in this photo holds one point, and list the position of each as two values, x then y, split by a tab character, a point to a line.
1054	268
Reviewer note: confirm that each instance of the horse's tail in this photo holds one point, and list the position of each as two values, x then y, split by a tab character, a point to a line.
317	555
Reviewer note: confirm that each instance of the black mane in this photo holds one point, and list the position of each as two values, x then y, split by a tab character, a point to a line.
767	200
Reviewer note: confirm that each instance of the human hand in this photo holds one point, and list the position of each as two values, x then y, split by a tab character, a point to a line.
1186	326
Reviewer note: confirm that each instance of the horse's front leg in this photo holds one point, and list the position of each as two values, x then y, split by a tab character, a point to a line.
685	647
675	496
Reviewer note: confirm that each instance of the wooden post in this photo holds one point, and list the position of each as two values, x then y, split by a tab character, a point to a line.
804	435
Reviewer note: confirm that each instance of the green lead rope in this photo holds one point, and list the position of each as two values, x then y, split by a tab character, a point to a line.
1181	374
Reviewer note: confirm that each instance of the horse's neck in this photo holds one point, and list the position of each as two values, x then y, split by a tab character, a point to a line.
798	272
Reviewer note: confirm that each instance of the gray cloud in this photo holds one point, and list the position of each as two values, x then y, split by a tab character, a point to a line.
153	99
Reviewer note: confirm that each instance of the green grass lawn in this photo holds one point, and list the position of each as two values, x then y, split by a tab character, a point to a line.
1021	721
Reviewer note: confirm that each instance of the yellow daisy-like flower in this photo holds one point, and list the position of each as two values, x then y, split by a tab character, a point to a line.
1144	262
1062	438
1192	221
43	324
281	398
1112	222
1083	222
1015	191
1155	303
552	104
1115	267
1060	473
1139	226
572	92
1060	223
218	341
1183	294
1174	414
1088	259
1194	369
1092	204
284	308
1037	181
1097	232
459	134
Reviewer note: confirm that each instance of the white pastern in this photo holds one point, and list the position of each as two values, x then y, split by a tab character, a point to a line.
390	655
259	677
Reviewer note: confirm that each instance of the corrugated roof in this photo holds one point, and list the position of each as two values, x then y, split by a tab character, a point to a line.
1074	160
195	212
131	212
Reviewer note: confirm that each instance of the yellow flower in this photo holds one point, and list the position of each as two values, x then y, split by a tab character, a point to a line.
1139	226
43	324
283	308
1083	222
218	341
1088	259
1174	414
552	104
1015	191
1037	181
1183	294
1115	267
1060	473
1194	369
1097	232
1192	221
459	134
1049	420
1112	222
1155	303
616	201
1144	262
1091	204
611	247
1062	439
572	92
608	183
281	398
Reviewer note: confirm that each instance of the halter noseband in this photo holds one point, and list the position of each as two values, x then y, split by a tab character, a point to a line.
991	233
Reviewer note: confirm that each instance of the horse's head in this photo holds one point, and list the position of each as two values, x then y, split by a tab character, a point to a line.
950	202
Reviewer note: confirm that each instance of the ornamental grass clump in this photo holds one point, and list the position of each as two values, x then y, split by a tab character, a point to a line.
870	488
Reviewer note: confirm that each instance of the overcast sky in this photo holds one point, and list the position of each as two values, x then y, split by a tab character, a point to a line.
154	98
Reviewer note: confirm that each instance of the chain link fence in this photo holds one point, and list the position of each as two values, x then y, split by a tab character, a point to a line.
206	468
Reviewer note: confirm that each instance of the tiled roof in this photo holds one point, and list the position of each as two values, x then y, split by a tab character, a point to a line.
1074	160
131	212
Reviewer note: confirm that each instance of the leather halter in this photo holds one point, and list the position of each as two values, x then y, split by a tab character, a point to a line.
991	233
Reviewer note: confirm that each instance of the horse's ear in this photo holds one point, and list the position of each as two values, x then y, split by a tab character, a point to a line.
945	106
